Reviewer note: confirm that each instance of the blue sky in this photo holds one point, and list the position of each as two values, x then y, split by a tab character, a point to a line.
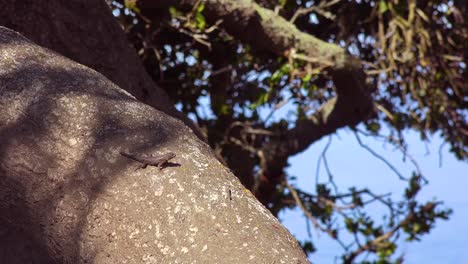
353	165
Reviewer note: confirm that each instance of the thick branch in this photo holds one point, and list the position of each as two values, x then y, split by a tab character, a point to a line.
264	30
346	109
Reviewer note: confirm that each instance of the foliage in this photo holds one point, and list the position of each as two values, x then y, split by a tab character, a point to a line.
414	55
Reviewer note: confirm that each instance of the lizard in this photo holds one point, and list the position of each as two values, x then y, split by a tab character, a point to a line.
158	161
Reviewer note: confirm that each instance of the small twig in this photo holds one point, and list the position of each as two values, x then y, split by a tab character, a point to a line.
222	70
309	232
375	154
376	241
214	27
243	145
258	131
306	212
385	111
320	9
440	153
325	163
338	208
403	150
276	107
320	61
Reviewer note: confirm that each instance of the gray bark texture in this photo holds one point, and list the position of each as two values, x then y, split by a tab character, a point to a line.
67	196
86	32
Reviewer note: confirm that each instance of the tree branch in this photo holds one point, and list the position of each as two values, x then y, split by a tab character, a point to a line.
265	30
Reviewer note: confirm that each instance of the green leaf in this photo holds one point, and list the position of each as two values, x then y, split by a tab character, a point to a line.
174	12
328	209
386	250
276	77
382	6
374	127
416	228
282	2
200	21
307	77
263	98
308	247
200	8
224	109
131	5
286	68
351	225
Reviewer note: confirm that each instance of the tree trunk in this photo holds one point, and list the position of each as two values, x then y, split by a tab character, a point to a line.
68	196
86	32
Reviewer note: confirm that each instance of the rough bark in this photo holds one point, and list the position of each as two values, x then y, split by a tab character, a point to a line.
86	32
67	196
